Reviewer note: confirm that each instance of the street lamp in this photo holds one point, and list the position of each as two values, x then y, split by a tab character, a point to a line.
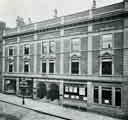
23	84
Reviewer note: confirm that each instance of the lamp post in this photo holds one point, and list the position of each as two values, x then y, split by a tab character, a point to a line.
23	84
23	102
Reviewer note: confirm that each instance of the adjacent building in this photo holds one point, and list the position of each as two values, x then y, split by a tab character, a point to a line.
2	27
80	59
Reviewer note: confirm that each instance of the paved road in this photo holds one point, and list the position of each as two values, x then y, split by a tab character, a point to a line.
54	109
12	112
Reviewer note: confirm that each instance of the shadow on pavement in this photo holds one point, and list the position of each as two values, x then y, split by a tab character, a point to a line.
8	117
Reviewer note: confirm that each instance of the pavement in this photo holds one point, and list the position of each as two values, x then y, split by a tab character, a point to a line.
53	110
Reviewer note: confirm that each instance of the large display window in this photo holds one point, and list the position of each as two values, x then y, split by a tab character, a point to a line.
10	86
107	96
28	91
76	92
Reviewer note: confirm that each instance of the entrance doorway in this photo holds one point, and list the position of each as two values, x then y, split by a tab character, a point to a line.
53	92
41	90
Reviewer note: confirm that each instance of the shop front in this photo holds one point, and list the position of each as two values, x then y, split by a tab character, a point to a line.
10	86
27	89
75	95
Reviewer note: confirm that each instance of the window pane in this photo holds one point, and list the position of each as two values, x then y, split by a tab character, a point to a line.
107	96
118	96
75	90
75	44
26	50
71	89
75	67
44	67
66	89
107	68
44	47
26	67
96	94
52	47
107	41
51	68
10	67
81	91
10	51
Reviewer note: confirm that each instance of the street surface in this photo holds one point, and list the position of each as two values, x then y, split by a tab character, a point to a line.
43	107
12	112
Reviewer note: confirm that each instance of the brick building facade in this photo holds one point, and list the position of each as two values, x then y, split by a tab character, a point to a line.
83	55
2	27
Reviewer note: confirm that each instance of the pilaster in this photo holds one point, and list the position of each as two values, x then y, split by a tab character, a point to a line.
62	56
3	65
89	93
18	53
17	86
35	57
47	65
34	88
113	96
61	92
89	55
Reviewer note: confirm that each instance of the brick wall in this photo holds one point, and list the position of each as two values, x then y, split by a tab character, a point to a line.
118	53
31	58
1	50
75	30
95	54
21	63
11	41
84	55
118	40
108	25
66	56
84	43
6	51
95	62
96	42
84	62
125	54
45	35
58	54
21	59
26	38
15	64
38	57
66	63
118	62
108	8
21	49
6	65
125	65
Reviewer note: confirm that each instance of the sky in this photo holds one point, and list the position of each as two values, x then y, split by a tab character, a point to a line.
40	10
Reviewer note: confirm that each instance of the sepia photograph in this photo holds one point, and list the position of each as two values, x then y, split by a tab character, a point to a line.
63	59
